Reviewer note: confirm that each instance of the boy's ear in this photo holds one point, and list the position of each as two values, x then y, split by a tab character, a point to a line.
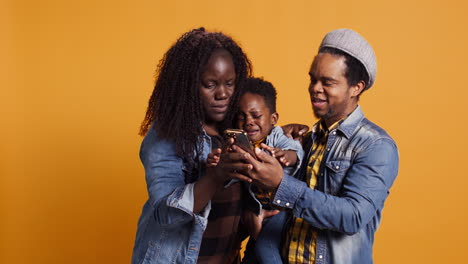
274	118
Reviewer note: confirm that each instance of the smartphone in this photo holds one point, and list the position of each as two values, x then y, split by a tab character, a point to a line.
240	139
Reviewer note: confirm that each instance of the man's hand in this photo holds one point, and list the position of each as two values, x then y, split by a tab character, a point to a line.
265	172
295	131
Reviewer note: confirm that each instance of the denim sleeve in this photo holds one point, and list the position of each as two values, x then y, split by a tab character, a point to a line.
172	199
364	190
278	139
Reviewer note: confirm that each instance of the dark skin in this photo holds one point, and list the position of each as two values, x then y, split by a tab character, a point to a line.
295	131
216	89
253	221
332	99
257	119
232	161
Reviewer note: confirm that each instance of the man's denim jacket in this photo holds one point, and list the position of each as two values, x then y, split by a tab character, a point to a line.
358	168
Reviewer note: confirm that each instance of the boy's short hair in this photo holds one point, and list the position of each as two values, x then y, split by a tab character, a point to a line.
263	88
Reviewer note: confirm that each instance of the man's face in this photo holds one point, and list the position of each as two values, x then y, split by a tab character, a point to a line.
255	117
331	97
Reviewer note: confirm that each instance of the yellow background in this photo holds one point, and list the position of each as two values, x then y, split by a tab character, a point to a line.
76	77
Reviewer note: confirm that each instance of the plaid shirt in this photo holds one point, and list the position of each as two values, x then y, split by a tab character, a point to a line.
301	236
221	240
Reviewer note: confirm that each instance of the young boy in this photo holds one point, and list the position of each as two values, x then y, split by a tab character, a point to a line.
258	117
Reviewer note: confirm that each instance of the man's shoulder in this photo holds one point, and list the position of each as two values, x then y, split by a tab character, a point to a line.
358	127
367	135
370	129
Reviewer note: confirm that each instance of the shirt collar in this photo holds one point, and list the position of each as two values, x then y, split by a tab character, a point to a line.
346	126
257	144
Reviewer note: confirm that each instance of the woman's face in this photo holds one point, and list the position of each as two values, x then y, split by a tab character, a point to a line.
217	86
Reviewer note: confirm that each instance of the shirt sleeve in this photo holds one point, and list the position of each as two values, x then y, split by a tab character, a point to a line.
365	187
171	198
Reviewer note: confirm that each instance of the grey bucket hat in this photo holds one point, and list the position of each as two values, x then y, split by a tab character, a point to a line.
355	45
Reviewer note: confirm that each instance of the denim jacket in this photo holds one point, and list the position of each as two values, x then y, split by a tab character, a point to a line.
168	229
358	168
278	139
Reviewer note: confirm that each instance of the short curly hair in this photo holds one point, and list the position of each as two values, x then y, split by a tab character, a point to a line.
263	88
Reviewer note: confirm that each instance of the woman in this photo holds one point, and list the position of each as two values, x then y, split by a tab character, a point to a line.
191	215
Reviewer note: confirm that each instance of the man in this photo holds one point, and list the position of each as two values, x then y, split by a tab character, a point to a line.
336	199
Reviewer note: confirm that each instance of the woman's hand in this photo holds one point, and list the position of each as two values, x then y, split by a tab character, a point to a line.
254	222
230	164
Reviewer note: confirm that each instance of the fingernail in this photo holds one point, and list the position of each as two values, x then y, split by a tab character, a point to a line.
257	150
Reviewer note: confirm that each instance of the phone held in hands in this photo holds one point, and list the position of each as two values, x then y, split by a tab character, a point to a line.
240	139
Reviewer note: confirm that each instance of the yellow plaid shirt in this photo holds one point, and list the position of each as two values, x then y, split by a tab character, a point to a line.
299	246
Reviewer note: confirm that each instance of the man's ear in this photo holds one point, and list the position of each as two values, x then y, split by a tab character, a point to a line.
358	88
274	118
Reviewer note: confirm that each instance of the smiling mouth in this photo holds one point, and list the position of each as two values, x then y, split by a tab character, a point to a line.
316	102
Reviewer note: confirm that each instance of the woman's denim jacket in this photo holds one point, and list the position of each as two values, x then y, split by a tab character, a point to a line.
168	229
358	168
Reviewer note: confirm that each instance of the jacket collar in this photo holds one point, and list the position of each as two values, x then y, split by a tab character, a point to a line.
349	125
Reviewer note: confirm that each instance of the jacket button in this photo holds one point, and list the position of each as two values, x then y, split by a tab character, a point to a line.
287	204
278	201
320	256
337	167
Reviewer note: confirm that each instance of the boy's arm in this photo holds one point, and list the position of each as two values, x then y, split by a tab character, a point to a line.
289	158
213	158
278	139
286	157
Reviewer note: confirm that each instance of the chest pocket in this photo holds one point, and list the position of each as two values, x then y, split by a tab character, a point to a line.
335	173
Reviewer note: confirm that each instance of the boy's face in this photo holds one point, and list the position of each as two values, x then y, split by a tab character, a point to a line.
255	117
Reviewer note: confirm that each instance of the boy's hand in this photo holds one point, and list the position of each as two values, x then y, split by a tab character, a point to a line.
213	158
289	158
285	157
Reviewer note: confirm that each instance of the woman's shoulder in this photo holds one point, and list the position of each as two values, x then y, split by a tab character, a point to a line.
152	143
